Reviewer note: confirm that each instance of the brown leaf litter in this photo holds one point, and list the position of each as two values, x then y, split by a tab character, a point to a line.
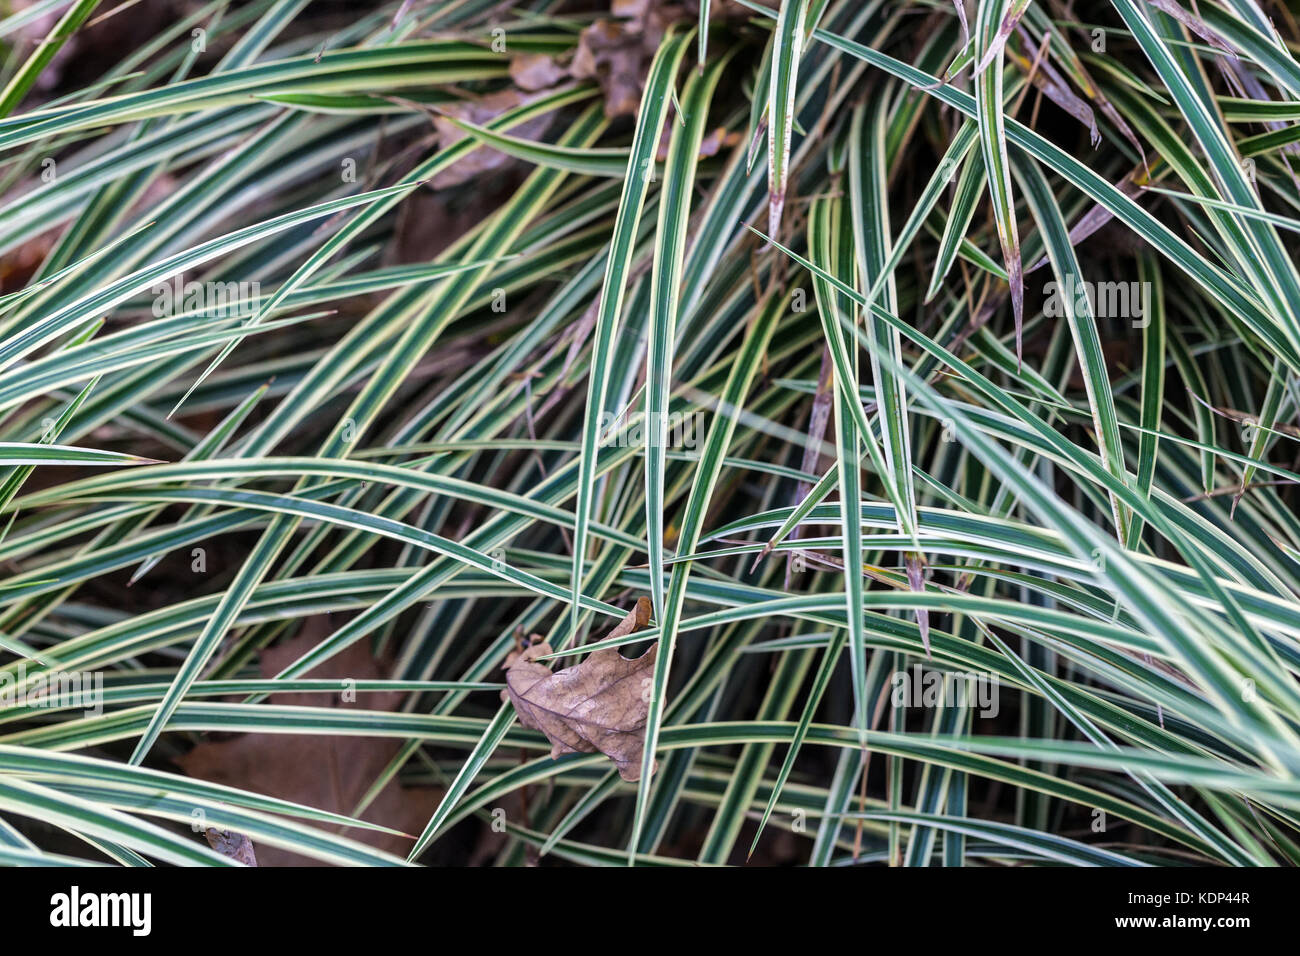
597	706
326	772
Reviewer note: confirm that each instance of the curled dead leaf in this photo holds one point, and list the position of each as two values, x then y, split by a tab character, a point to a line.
597	706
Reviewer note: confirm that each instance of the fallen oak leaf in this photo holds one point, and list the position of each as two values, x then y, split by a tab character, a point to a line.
597	706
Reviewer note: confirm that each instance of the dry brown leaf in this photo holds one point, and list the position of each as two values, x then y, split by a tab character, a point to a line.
480	111
597	706
616	53
329	773
712	143
237	846
614	57
535	71
718	139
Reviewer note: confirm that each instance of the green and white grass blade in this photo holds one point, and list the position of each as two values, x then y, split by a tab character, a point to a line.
958	222
1218	284
830	660
356	419
748	771
611	162
1153	382
721	429
97	820
1071	293
989	42
868	190
665	297
787	47
640	170
830	239
27	75
90	306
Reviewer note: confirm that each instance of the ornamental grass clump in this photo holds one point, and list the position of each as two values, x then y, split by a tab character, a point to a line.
829	433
